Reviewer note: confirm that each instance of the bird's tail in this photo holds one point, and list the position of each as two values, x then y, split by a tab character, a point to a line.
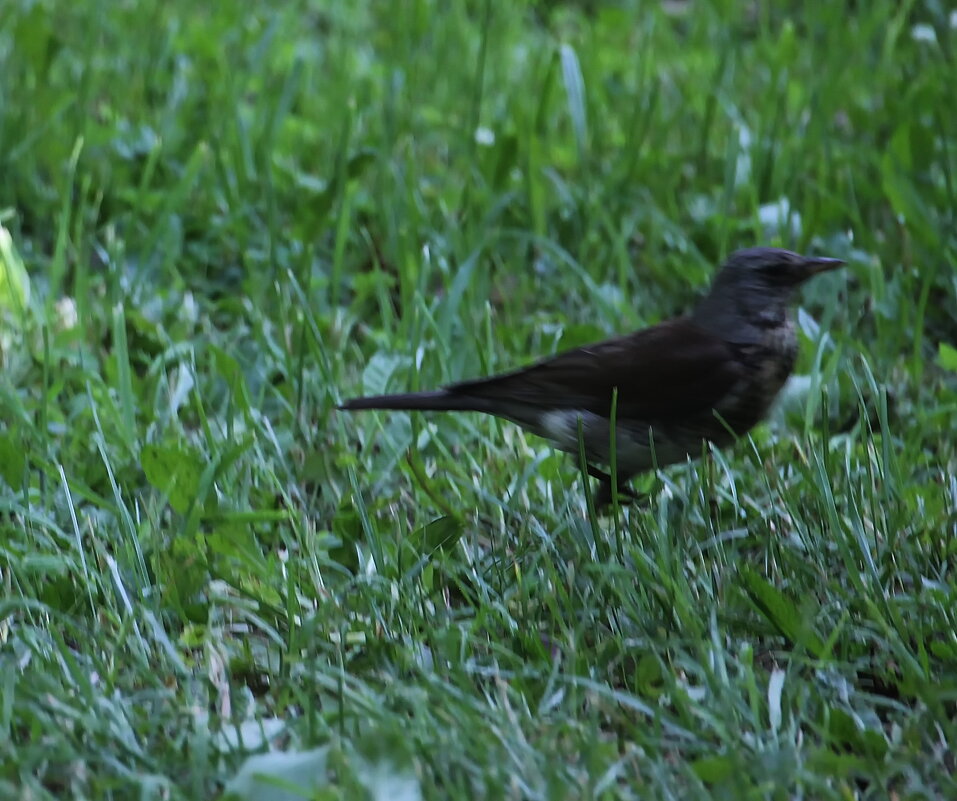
437	401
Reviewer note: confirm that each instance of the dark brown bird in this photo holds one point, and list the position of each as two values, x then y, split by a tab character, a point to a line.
709	376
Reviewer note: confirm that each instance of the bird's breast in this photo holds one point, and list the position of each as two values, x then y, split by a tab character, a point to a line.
766	367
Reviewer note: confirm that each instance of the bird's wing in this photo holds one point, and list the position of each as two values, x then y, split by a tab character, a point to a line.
667	372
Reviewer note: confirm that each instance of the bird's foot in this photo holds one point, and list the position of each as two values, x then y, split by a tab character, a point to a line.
603	499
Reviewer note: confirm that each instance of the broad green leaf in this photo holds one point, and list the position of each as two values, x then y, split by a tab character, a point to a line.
439	535
13	460
713	769
175	471
781	612
375	377
847	732
227	366
14	281
280	776
947	356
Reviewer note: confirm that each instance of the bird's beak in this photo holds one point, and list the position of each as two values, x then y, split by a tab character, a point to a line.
822	264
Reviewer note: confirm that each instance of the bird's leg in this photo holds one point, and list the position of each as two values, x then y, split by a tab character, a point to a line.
604	496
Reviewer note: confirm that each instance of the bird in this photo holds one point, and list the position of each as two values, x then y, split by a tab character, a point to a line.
706	377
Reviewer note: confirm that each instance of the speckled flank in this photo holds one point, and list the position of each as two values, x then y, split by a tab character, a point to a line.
768	367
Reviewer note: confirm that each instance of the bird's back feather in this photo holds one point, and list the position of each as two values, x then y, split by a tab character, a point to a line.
664	373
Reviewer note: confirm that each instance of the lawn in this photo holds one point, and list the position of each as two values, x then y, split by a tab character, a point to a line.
221	219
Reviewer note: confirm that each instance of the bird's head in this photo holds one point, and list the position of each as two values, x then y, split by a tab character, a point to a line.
772	268
753	287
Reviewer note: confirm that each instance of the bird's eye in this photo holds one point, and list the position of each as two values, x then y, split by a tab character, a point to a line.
778	273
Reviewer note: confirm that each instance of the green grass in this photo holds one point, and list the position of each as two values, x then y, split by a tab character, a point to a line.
257	210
